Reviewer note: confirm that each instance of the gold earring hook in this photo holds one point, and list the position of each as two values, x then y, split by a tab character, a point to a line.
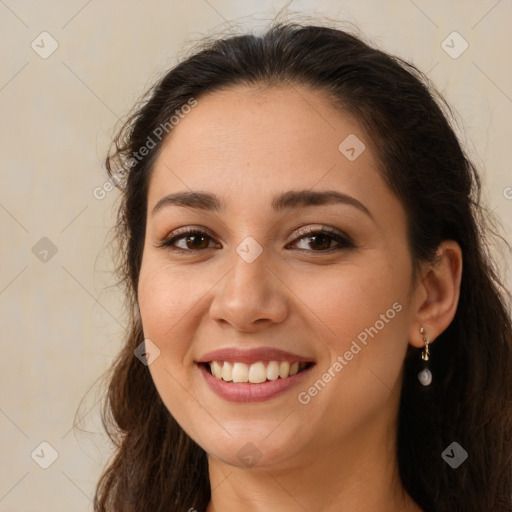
426	353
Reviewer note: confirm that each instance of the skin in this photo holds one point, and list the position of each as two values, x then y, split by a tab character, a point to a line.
247	144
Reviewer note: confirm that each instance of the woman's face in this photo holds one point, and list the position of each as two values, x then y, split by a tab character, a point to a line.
256	286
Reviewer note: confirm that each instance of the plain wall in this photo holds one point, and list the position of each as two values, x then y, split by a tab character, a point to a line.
61	323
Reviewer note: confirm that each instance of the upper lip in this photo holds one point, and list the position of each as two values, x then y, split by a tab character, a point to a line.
250	356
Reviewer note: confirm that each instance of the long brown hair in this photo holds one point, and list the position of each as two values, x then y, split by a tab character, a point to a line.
156	466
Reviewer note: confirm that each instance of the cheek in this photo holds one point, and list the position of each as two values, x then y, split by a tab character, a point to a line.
349	301
364	321
362	313
165	293
164	299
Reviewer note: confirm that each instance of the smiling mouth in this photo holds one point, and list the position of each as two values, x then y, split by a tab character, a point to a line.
255	373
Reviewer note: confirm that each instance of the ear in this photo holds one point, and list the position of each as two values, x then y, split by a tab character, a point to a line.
437	294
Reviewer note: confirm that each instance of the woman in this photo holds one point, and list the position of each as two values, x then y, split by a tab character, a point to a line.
315	321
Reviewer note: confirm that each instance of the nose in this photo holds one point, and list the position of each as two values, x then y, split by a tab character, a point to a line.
250	296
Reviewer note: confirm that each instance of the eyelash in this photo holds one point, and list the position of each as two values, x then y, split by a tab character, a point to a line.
343	240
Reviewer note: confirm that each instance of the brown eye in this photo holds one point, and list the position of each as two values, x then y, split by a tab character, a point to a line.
320	240
193	240
196	241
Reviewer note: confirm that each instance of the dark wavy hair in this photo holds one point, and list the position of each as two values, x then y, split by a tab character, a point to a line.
156	466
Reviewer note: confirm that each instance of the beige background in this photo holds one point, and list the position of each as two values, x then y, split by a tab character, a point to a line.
60	324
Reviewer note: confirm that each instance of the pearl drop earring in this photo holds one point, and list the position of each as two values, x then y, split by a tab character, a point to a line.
425	376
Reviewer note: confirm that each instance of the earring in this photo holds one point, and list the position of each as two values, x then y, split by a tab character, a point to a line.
425	376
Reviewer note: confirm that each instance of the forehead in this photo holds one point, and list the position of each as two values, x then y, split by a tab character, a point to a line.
251	142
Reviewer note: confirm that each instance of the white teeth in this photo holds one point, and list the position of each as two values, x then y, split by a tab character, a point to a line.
284	369
227	371
240	372
216	369
255	373
273	370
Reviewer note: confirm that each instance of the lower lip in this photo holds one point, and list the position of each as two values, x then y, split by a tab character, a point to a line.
247	392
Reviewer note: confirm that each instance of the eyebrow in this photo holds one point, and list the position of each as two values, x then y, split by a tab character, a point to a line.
292	199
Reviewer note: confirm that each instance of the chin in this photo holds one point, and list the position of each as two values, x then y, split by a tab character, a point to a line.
248	447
